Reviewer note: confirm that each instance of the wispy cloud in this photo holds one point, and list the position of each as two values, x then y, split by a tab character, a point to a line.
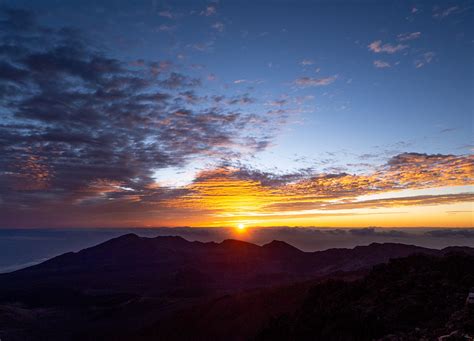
408	36
165	28
380	64
166	14
378	47
248	81
311	81
425	58
218	26
202	46
277	103
241	99
210	10
306	62
440	13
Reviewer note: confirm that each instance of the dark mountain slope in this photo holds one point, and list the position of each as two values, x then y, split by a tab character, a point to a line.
172	265
143	288
413	298
175	266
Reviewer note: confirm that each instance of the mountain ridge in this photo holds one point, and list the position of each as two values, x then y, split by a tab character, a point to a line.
178	243
132	283
157	263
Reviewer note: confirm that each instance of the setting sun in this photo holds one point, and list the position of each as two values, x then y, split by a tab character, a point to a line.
241	227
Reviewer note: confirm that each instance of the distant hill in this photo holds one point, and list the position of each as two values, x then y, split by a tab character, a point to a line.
133	287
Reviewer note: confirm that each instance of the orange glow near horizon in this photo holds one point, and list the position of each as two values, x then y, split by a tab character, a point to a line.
240	230
426	192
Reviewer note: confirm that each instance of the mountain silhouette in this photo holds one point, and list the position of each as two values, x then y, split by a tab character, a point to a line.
133	287
163	265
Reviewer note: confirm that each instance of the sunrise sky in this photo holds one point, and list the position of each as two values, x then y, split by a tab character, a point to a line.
260	113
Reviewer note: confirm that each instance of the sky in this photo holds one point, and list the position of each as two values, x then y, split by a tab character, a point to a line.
236	113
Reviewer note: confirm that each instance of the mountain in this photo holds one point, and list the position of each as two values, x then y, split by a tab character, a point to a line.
174	266
133	287
419	297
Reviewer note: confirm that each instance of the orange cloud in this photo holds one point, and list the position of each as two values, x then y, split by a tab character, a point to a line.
229	193
31	172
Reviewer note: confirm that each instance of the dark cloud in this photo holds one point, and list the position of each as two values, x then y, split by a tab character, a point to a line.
176	81
232	171
11	73
242	100
17	19
372	232
449	233
73	116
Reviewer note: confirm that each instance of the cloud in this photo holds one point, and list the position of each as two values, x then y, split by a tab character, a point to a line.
443	13
306	62
202	47
449	233
176	80
157	68
165	28
407	201
83	132
238	191
210	10
408	36
248	81
373	232
447	130
424	59
348	203
218	26
166	14
18	20
380	64
241	99
310	81
377	47
278	103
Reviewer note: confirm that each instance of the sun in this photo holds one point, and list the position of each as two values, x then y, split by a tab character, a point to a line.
241	227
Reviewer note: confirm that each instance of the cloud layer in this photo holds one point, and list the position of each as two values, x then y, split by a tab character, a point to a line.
237	193
80	127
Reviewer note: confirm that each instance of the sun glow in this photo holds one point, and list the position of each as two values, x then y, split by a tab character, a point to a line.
411	191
